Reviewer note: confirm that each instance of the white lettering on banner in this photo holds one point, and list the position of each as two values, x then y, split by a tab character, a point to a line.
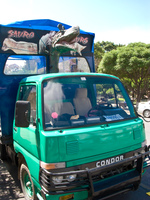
109	161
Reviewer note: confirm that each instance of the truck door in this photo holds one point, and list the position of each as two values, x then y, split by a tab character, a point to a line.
27	137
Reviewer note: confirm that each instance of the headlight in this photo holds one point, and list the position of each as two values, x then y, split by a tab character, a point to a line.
57	179
71	177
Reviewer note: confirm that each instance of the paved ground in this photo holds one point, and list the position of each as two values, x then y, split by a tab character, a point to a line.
10	186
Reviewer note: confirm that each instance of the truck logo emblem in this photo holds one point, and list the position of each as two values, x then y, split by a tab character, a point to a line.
109	161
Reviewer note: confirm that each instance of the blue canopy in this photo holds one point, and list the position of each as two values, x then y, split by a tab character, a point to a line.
42	24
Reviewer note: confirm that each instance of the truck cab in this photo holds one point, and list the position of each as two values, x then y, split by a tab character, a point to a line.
79	134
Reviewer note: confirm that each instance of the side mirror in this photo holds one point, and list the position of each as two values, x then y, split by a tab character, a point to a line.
22	114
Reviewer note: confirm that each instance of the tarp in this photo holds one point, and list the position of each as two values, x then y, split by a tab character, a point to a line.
28	34
42	24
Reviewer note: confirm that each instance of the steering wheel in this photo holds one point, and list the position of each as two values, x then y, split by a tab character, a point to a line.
94	111
98	109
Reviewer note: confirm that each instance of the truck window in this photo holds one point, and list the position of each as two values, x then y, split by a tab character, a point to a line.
73	64
25	64
28	93
85	100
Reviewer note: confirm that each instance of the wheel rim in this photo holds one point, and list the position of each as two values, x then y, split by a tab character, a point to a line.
147	113
27	184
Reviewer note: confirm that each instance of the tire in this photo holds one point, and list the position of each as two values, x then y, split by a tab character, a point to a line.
27	183
146	113
3	154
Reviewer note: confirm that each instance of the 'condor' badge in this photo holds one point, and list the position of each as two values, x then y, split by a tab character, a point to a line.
109	161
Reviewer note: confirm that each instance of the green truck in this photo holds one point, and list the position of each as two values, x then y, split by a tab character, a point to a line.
73	134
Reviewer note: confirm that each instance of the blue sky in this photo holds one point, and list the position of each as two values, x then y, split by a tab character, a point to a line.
118	21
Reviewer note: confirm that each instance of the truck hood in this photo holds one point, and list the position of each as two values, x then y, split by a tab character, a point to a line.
80	145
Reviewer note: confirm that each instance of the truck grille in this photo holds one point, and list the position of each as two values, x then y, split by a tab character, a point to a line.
82	179
112	172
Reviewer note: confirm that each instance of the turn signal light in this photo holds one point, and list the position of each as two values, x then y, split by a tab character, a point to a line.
49	166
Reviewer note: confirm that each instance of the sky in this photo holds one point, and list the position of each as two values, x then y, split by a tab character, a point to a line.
118	21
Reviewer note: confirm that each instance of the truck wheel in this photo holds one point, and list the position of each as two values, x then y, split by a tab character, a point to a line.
146	113
27	183
3	155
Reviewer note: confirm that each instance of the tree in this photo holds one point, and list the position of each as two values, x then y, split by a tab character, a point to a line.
131	64
100	48
98	54
109	46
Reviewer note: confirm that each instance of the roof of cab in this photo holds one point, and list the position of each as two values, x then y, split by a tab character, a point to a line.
40	78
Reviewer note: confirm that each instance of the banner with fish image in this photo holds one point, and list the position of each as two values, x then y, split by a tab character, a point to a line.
31	41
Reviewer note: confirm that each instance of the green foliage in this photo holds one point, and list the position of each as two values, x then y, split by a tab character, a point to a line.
131	64
109	46
98	54
109	60
100	48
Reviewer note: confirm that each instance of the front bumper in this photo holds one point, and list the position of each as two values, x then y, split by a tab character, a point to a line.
102	182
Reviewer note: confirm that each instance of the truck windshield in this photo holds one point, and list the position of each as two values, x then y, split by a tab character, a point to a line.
83	100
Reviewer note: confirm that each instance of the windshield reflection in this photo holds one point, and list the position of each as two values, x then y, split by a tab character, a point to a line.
78	101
